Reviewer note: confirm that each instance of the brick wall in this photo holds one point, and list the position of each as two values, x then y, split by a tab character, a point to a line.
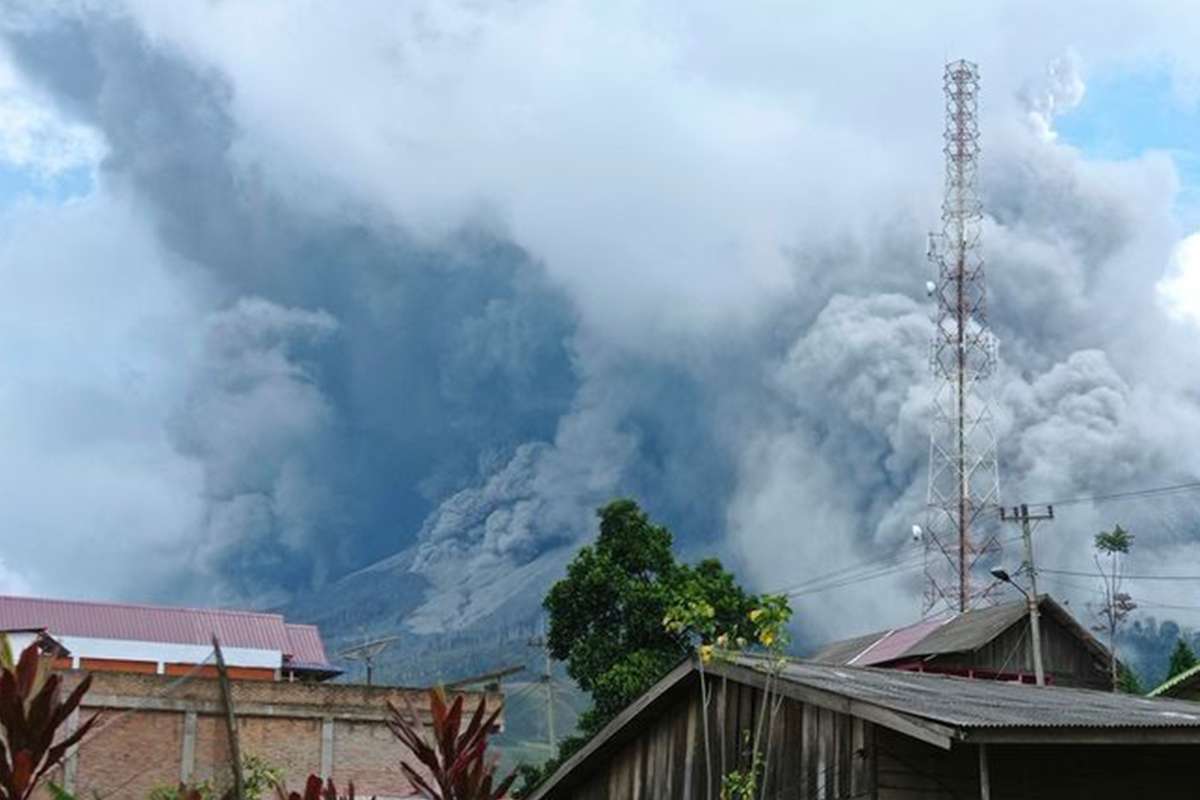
155	730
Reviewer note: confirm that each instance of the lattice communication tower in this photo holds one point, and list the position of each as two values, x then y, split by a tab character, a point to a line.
960	537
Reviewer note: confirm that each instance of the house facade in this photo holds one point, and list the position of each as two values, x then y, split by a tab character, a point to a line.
163	719
855	732
990	643
166	640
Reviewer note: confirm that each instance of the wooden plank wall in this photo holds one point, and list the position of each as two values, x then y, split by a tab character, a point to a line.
909	769
1094	772
815	753
1064	656
818	754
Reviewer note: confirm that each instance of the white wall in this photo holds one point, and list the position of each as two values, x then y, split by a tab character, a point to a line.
163	653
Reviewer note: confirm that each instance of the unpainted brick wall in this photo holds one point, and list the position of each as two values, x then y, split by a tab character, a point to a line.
130	756
133	752
368	755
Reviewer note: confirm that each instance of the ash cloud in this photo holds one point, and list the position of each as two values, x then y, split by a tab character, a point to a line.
445	280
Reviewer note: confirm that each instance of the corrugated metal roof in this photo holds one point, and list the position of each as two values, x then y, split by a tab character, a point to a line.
1010	712
970	630
172	625
961	633
844	650
966	703
896	643
304	644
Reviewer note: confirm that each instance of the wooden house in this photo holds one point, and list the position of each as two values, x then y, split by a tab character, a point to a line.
860	732
992	642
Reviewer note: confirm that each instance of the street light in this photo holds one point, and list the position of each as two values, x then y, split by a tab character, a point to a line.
1034	626
1004	577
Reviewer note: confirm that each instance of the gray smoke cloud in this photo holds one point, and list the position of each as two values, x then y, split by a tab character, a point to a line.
437	282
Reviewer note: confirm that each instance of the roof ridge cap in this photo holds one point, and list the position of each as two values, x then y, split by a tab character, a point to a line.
144	606
871	647
1174	681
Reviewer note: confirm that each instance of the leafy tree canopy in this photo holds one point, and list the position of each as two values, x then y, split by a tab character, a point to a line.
1127	681
1182	659
1118	540
607	615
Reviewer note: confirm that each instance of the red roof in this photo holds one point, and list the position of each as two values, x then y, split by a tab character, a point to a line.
249	629
895	643
305	645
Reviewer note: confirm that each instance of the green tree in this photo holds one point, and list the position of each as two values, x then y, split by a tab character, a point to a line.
1110	543
1118	605
607	616
1127	680
1182	659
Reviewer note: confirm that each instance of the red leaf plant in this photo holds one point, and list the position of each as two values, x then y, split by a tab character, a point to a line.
458	763
31	714
314	789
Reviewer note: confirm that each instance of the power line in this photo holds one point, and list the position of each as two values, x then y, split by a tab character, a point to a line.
877	569
1127	577
859	572
1132	494
1142	602
854	581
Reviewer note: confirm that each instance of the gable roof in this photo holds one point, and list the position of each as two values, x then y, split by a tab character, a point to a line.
165	625
964	632
938	709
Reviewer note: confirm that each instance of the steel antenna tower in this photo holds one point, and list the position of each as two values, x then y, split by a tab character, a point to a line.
963	476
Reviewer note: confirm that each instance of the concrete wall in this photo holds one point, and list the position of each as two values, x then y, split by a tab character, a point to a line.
156	730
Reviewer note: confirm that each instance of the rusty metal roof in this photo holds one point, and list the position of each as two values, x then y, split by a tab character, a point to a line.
960	633
164	624
940	709
966	703
897	643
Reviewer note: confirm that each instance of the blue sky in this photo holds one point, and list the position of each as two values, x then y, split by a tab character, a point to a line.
1125	114
19	184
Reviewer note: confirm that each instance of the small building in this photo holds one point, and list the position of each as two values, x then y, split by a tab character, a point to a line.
166	640
1184	686
992	643
163	719
862	732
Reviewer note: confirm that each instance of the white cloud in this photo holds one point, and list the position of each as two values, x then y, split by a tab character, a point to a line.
95	355
704	185
1180	289
1058	91
36	137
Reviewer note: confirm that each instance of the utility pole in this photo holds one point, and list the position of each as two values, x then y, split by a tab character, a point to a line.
963	474
1022	515
231	727
547	679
